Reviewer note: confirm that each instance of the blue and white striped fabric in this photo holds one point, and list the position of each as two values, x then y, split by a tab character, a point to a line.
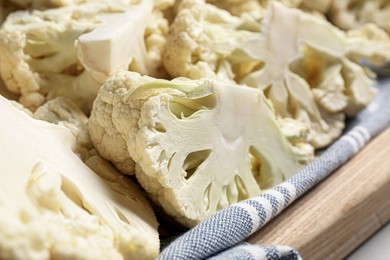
221	236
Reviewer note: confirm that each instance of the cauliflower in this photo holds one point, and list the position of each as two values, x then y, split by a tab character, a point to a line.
40	58
350	14
305	66
199	145
54	207
205	41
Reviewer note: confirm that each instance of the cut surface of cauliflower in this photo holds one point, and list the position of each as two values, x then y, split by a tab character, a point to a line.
199	145
54	207
120	43
306	67
310	71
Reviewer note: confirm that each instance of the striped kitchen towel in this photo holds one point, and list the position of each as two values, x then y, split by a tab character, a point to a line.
221	236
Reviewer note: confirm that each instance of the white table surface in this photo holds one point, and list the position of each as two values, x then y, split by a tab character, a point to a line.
376	248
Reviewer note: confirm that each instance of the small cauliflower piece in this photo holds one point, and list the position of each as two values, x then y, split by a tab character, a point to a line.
199	145
351	14
41	60
310	71
205	41
54	207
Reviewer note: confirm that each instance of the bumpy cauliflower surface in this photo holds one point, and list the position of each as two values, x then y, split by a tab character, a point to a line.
53	206
199	145
205	41
306	67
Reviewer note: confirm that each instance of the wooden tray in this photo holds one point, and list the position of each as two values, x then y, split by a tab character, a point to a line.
340	213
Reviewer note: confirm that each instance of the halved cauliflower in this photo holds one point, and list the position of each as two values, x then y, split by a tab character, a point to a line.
54	207
40	58
199	145
307	67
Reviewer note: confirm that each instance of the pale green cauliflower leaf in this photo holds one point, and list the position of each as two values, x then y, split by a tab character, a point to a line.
199	145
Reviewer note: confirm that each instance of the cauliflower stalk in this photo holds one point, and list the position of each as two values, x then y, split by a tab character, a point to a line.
59	207
40	57
199	145
305	66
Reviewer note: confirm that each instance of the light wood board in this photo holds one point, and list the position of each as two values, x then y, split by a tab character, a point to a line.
340	213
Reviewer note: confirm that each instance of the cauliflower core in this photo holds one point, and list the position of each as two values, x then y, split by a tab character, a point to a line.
199	145
54	207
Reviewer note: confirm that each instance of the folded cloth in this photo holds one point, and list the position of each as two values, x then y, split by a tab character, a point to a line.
221	236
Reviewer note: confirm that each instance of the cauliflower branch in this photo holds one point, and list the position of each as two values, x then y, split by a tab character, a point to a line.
54	206
199	145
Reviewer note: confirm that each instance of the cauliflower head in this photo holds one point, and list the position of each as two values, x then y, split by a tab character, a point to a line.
198	145
351	14
42	60
53	206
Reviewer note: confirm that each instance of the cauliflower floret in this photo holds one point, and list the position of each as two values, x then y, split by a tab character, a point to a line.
54	207
199	145
205	41
41	60
306	67
351	14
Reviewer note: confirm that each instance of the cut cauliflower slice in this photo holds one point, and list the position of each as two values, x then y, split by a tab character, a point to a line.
199	145
40	59
54	206
309	72
351	14
306	67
